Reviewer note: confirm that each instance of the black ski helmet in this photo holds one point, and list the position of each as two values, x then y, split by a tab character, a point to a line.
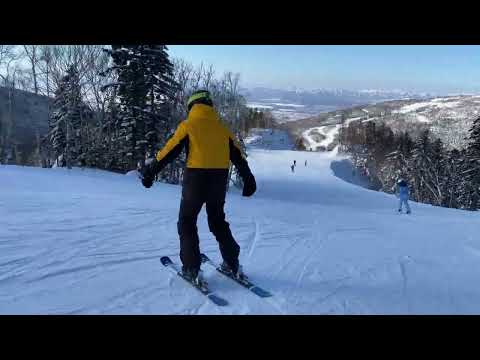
199	97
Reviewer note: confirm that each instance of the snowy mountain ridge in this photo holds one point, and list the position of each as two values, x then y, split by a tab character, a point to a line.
448	118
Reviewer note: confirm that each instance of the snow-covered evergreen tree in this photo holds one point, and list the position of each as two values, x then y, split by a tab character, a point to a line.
69	122
453	180
145	88
420	164
427	171
396	163
471	190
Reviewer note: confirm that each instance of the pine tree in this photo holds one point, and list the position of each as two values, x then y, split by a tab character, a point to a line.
427	170
69	122
471	190
145	88
453	181
465	186
437	175
419	164
396	162
109	141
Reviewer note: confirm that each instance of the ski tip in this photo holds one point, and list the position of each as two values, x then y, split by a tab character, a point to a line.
218	300
165	260
204	258
261	292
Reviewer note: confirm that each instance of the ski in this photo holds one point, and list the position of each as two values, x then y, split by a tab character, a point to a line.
169	264
243	282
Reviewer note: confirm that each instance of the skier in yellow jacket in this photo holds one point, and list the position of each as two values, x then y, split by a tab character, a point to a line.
210	147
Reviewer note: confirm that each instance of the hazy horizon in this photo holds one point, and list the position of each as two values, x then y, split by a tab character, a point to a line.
420	69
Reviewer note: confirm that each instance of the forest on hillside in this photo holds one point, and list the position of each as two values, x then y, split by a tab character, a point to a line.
437	174
106	107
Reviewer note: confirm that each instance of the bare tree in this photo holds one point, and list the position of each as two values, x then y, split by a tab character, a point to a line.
8	66
33	54
9	71
7	53
96	93
59	58
208	76
46	58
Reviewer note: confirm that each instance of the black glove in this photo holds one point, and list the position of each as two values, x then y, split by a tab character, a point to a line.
147	182
249	185
148	173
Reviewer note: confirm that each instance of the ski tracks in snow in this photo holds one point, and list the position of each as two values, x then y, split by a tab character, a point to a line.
254	242
403	270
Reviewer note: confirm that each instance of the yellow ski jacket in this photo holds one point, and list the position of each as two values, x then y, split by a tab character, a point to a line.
209	143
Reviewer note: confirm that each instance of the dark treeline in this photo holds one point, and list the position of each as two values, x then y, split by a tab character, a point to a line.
114	106
437	175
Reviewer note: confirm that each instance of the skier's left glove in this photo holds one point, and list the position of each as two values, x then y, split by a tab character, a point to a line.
249	185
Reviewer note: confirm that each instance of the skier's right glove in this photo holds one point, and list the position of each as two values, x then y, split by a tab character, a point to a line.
249	185
148	173
147	182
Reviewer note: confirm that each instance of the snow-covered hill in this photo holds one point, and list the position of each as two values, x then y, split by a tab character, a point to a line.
89	242
268	139
449	118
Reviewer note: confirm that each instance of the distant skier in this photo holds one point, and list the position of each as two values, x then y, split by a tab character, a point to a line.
403	194
305	162
210	147
294	162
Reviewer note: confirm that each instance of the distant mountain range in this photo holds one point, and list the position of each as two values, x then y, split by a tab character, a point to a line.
331	97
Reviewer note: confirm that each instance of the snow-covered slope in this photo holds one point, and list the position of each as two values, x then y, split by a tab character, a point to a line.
321	137
89	242
448	118
439	108
325	138
268	139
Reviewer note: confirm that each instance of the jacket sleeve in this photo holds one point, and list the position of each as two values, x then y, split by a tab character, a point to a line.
238	158
172	148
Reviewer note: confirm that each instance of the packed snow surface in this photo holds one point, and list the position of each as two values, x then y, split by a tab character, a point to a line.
89	242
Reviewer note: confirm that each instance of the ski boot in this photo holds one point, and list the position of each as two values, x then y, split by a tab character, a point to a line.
239	274
409	212
194	276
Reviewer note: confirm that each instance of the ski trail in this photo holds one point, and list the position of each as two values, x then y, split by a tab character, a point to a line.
313	254
276	305
254	242
403	271
88	267
319	245
184	289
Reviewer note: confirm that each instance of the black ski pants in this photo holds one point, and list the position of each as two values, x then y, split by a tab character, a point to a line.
207	186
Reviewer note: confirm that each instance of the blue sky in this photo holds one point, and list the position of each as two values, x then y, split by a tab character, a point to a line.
418	67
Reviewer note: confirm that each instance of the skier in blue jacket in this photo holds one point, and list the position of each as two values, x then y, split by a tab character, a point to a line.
403	195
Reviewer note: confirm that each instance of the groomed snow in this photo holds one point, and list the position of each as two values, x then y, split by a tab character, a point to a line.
89	242
328	131
436	103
